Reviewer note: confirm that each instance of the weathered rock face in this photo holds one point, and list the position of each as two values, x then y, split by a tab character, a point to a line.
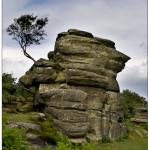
78	86
140	115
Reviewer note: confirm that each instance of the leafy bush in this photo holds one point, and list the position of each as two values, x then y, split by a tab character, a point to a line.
22	91
63	139
130	100
8	82
8	87
63	142
11	88
12	139
48	132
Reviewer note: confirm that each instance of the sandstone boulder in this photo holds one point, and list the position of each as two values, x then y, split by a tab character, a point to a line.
140	115
77	86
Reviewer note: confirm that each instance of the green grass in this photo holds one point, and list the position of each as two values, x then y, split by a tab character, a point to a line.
136	139
12	138
129	144
19	117
47	132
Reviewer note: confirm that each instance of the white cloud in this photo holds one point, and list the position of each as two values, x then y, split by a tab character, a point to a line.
134	77
16	68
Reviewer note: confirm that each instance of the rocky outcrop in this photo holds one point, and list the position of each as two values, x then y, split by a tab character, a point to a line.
140	115
78	86
18	104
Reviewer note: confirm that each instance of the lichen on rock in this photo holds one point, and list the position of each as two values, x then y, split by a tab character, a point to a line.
78	86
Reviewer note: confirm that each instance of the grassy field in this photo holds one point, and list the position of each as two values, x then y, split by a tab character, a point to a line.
134	143
136	140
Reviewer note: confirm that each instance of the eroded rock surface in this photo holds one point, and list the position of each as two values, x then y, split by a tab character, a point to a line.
77	86
140	115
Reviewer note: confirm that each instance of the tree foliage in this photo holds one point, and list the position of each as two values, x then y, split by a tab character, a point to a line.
8	82
11	87
131	100
27	30
8	87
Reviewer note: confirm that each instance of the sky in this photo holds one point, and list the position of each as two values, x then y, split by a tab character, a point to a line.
124	22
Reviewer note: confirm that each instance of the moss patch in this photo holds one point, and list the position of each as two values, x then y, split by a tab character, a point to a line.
19	117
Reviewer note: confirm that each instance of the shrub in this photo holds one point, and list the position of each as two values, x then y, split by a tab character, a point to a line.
11	88
129	100
48	132
63	142
12	139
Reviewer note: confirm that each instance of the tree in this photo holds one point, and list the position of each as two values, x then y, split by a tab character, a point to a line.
27	30
8	87
131	100
8	83
12	88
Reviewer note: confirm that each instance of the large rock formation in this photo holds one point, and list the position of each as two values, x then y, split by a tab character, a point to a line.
140	115
78	87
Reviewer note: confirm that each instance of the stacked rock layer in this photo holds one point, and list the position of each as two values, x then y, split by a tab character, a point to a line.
78	88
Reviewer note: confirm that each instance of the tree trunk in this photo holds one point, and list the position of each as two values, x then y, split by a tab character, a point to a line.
27	55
